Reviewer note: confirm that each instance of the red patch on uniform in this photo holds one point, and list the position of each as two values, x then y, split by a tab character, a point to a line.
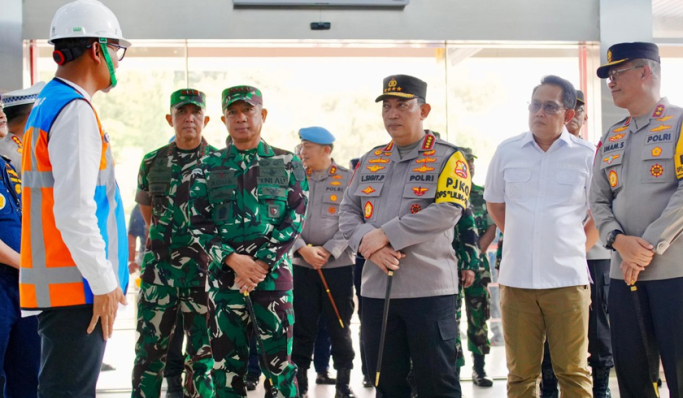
419	191
461	169
368	210
657	170
659	110
428	142
415	208
389	147
332	210
613	179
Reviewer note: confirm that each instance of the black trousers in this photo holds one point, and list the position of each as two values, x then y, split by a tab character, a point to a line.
70	358
175	359
599	338
310	301
357	278
661	304
421	330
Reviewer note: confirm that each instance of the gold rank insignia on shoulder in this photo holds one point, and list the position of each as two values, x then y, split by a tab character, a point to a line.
333	170
428	142
389	147
659	110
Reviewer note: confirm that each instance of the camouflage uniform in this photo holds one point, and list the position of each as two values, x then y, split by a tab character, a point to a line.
477	299
252	203
466	246
173	275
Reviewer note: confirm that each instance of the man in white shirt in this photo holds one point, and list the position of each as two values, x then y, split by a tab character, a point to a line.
537	193
74	248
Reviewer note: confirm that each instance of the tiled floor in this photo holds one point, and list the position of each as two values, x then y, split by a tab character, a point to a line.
120	354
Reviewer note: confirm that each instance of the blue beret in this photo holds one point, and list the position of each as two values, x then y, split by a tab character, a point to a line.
316	135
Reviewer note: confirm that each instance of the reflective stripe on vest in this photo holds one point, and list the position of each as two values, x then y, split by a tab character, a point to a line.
49	277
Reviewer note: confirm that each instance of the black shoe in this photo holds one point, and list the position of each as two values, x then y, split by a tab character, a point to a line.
324	378
479	377
175	387
302	380
252	381
367	383
343	390
601	383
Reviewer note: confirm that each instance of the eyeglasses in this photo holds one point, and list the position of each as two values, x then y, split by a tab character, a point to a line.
612	75
549	108
119	50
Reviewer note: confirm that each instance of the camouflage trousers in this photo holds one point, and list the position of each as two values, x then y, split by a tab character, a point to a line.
158	308
478	307
231	330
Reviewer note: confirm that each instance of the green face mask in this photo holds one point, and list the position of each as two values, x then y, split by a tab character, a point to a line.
107	59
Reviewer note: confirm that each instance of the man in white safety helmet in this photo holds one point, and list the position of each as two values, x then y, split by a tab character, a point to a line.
74	249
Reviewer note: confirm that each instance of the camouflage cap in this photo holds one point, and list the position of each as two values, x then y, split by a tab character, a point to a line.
467	152
188	96
248	94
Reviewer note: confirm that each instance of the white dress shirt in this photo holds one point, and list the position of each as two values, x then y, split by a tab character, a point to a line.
75	150
546	200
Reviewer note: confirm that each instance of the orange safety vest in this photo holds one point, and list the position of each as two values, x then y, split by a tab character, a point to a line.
49	276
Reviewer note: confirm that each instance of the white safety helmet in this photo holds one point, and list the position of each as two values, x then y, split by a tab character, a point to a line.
86	18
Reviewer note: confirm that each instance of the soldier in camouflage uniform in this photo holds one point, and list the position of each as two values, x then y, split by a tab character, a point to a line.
477	299
466	246
247	208
174	267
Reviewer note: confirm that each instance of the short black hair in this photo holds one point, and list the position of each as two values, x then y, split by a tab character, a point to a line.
16	112
568	90
75	45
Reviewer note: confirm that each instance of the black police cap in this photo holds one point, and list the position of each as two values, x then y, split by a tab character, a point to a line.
403	86
624	52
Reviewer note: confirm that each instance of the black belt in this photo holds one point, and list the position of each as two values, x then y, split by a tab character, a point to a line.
6	269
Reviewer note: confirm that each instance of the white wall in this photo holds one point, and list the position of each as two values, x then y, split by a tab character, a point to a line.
11	59
491	20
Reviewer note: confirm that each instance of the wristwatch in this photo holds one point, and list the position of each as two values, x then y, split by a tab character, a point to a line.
612	237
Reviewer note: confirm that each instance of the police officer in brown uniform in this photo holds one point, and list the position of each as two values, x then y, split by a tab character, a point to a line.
322	246
399	212
636	200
